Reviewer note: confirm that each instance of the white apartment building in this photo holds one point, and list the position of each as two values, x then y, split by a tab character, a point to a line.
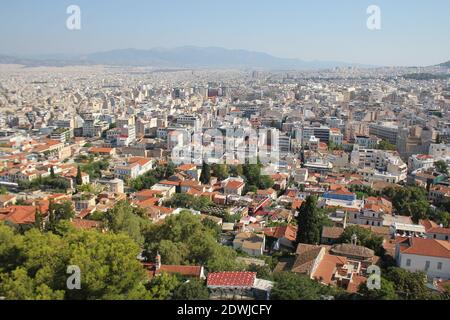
439	150
378	165
336	137
420	161
427	255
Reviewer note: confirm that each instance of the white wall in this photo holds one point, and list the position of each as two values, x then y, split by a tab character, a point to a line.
418	264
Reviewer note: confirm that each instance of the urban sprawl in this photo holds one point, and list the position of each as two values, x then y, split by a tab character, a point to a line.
224	184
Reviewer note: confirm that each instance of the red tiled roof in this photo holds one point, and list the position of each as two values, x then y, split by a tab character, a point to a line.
142	161
18	214
326	268
439	230
186	167
425	247
231	279
428	224
85	224
187	271
234	184
289	232
100	150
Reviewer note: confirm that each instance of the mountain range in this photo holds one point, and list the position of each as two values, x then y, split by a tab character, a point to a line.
180	57
188	57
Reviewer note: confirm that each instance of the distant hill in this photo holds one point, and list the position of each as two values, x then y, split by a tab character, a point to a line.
183	57
39	62
445	64
426	76
211	57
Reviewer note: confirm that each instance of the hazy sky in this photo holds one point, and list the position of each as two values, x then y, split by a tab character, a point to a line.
413	32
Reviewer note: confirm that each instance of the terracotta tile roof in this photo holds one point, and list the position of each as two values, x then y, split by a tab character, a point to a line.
297	203
186	167
306	257
332	232
140	160
147	193
327	267
234	184
86	224
100	150
6	197
18	214
170	183
231	279
289	232
428	224
151	202
357	280
183	270
347	249
84	213
439	230
187	271
425	247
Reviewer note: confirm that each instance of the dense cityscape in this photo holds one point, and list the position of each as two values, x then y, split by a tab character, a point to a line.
236	159
226	184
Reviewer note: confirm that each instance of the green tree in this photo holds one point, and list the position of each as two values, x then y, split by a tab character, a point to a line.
187	201
38	219
123	217
163	286
386	291
236	171
409	201
205	177
252	173
109	267
79	179
194	242
34	265
292	286
19	286
265	182
58	212
52	172
365	238
174	253
220	171
11	249
441	215
386	145
441	166
191	290
408	285
309	222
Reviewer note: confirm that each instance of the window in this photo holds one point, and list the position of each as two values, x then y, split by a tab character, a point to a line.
439	266
427	265
408	262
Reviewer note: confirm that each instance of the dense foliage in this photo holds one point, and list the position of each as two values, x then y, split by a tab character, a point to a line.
152	177
34	265
365	238
184	239
310	221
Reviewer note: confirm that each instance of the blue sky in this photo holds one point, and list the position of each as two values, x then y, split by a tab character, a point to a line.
413	32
